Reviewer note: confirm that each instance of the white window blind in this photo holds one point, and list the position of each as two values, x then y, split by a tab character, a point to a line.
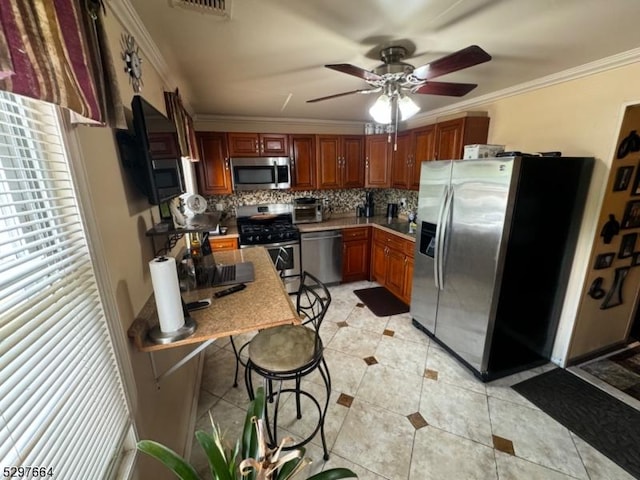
62	403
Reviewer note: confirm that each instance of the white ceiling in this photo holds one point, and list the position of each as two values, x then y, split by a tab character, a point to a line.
271	51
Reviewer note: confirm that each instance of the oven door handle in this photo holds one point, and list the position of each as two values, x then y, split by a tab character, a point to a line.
274	244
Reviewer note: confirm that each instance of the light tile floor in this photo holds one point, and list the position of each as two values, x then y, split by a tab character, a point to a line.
403	408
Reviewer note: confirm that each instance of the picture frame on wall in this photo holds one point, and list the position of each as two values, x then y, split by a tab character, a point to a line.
631	217
604	260
627	245
635	189
623	178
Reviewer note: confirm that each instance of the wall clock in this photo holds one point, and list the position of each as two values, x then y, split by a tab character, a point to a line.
132	60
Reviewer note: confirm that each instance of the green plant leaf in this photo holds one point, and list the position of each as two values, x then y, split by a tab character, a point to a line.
249	434
333	474
286	470
217	461
169	458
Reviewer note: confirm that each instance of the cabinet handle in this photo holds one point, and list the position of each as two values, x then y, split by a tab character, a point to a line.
366	162
226	163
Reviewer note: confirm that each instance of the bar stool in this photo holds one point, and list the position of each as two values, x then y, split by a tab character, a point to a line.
291	352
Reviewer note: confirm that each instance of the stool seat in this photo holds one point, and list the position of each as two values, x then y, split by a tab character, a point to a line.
284	348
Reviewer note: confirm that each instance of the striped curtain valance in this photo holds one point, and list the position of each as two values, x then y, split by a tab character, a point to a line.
48	50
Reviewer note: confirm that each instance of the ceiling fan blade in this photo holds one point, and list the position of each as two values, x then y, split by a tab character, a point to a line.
445	88
465	58
366	90
355	71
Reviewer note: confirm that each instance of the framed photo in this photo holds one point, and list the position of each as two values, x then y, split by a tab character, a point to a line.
631	217
623	177
628	245
604	260
635	260
635	190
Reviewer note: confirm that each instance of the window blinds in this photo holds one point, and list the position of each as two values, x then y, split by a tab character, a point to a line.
62	404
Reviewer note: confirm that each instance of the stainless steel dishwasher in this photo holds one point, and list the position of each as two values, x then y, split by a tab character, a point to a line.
322	254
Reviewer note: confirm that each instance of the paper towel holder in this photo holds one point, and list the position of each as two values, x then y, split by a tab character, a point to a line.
158	336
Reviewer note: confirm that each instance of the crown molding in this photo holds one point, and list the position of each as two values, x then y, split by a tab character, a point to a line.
232	119
592	68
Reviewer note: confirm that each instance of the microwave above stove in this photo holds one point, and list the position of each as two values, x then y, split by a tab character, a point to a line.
307	210
260	173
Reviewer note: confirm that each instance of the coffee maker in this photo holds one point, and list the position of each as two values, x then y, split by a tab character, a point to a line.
368	205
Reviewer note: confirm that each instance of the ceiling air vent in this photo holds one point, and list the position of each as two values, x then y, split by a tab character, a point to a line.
221	8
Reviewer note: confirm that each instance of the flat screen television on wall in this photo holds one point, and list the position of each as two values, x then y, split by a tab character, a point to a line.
150	153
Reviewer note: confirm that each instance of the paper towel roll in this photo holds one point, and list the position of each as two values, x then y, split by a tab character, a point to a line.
166	289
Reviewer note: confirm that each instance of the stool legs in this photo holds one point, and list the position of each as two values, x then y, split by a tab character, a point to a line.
273	397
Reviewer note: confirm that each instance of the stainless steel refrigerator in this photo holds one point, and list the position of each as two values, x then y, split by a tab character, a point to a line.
493	253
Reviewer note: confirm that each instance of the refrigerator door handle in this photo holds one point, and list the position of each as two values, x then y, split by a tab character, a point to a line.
436	252
445	220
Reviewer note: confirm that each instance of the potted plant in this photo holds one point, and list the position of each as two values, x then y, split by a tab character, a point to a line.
250	459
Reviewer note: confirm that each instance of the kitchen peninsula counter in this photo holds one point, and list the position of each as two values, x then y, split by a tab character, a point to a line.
263	304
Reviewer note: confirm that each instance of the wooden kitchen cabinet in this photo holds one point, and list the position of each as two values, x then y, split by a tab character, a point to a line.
303	162
377	161
340	161
392	263
453	135
423	147
258	144
213	171
401	160
355	254
222	244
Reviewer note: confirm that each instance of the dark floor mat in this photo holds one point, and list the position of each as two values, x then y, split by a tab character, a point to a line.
606	423
381	301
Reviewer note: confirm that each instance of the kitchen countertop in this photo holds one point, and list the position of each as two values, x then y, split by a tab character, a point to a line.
233	314
398	226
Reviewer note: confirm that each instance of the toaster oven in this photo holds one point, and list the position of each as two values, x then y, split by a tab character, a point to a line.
307	210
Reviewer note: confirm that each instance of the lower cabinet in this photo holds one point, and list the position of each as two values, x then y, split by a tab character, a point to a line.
221	244
392	263
355	254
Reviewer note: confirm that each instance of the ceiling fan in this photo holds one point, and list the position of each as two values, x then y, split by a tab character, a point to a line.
395	78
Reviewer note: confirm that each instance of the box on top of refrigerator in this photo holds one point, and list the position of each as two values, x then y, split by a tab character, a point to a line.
481	151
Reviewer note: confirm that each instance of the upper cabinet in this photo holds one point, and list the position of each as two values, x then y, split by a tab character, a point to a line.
213	170
377	161
303	162
442	141
340	161
453	135
258	144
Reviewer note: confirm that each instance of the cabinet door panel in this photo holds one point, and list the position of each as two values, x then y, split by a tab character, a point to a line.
395	272
424	147
328	152
214	176
400	161
303	155
353	162
243	144
378	261
274	145
449	140
378	161
355	258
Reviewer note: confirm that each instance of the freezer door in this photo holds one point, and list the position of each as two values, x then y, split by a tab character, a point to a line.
434	183
473	236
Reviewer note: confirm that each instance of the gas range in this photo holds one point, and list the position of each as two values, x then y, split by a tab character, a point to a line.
271	226
266	224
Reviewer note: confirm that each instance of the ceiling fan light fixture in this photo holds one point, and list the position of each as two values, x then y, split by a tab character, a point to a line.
380	111
408	107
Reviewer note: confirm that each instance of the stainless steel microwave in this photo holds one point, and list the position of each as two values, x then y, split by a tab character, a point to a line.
261	173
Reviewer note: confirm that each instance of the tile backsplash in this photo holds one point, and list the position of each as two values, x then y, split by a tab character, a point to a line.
340	201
